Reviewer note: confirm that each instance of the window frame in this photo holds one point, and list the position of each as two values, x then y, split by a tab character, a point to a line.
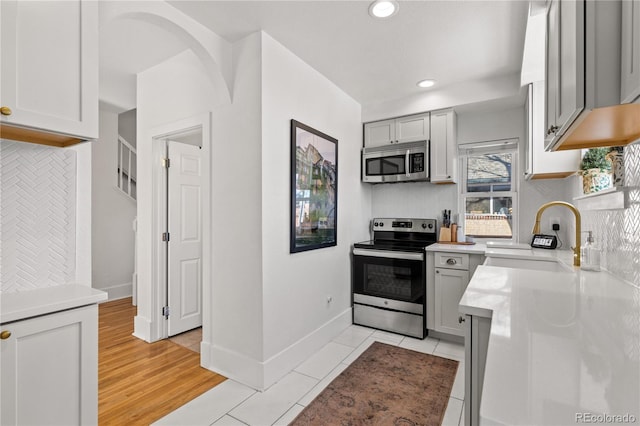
510	146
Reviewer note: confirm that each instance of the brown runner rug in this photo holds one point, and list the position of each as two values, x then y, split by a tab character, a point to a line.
386	385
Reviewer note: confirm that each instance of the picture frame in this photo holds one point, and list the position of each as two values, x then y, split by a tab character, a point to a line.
314	189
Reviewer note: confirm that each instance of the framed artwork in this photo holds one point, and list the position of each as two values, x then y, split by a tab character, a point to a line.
314	189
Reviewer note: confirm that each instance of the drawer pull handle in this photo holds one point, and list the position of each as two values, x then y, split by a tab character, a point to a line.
460	320
5	110
5	334
451	262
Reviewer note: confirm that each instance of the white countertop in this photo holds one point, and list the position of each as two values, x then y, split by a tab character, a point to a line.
42	301
561	344
478	248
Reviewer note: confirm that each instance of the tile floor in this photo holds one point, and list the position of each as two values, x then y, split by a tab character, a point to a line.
231	403
189	339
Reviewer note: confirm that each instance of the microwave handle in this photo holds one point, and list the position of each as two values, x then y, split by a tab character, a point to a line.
406	164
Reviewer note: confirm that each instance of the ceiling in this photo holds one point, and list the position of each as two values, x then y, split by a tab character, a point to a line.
372	60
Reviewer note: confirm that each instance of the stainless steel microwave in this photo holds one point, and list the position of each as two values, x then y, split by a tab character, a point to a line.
400	162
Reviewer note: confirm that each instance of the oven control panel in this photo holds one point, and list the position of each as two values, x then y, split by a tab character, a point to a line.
405	225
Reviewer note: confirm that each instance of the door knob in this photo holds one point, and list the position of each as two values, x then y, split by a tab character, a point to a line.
5	110
5	334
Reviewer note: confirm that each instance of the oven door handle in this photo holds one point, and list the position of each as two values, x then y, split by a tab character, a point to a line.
389	254
406	164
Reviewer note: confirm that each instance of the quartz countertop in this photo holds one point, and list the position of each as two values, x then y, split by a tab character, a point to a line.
26	304
478	248
564	347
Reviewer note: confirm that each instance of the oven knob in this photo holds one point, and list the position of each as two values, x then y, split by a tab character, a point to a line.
375	223
381	224
431	226
424	226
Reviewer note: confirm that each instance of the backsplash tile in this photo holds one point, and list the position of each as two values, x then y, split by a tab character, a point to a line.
618	231
37	216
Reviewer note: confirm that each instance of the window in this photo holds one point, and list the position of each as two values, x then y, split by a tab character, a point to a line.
126	168
488	193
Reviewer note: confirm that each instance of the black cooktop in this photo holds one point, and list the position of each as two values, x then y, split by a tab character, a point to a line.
411	246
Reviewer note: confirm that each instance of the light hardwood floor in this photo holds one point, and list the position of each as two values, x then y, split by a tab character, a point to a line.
140	382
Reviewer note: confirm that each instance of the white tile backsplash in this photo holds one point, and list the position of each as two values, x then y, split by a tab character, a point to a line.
37	216
618	231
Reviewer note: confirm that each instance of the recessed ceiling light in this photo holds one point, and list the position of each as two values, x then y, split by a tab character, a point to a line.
383	8
426	83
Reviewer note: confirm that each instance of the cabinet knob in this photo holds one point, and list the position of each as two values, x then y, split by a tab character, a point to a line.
552	129
5	334
461	319
437	272
5	110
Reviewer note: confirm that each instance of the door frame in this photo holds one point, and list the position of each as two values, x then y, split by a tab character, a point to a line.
159	135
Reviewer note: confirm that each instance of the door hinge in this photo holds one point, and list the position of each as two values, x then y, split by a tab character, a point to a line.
165	236
166	163
165	312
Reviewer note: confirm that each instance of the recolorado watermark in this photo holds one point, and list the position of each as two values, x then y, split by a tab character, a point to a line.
605	418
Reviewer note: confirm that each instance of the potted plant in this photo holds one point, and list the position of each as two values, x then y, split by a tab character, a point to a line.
596	170
616	157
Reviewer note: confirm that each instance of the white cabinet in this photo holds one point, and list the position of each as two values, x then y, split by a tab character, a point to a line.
630	78
411	128
583	74
476	343
49	369
448	274
49	65
540	164
450	284
443	146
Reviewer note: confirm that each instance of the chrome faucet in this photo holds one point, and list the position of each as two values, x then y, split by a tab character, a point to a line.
576	213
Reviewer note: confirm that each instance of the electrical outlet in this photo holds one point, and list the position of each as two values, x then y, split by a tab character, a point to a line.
555	227
553	221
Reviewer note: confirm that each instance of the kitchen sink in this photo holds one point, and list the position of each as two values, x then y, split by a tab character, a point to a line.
535	265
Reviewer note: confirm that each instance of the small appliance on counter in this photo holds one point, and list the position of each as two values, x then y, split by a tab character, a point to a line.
389	276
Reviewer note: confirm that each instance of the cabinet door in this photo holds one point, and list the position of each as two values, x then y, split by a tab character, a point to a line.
540	164
379	133
630	79
413	128
449	285
443	146
49	369
565	65
49	64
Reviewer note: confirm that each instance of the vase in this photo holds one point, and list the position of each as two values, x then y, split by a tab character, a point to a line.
594	180
616	159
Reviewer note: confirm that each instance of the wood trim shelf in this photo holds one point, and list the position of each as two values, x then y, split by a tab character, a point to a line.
616	198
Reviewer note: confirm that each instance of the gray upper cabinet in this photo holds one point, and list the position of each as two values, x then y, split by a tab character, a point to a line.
443	146
582	71
630	61
411	128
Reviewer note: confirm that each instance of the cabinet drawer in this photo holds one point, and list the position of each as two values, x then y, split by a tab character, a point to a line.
452	260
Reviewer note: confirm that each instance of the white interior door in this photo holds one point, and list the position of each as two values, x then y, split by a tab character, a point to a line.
185	237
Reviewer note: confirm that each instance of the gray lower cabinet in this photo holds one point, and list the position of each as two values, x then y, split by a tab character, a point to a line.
476	342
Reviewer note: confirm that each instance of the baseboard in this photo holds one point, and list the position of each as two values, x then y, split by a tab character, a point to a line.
142	328
118	291
260	375
282	363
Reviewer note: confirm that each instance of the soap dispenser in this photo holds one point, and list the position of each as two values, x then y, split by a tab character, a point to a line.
590	255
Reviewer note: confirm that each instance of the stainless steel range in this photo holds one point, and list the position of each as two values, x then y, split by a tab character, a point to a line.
389	276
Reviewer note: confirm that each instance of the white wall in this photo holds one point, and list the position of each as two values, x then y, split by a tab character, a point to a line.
112	215
236	334
297	317
169	92
263	318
